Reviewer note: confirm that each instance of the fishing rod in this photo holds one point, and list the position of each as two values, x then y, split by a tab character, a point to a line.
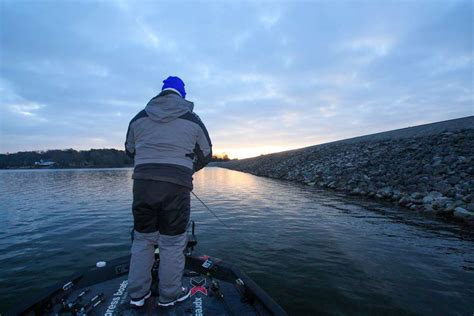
220	220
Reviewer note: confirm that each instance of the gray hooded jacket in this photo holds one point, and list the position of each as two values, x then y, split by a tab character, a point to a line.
168	141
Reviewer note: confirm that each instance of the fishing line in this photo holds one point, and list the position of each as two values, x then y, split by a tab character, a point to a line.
220	220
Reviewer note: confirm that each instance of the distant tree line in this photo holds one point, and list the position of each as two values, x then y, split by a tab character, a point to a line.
223	157
70	158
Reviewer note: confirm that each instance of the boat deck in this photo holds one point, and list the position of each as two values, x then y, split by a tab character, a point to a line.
217	288
112	299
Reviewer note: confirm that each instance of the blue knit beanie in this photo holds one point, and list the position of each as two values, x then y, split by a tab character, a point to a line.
175	83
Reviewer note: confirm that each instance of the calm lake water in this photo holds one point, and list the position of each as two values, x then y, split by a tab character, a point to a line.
313	251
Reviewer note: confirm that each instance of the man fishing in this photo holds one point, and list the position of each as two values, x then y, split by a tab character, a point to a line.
168	143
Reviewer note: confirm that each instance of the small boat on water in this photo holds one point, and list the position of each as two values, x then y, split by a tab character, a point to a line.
217	288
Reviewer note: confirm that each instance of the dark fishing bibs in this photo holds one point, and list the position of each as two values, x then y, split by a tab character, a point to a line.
160	206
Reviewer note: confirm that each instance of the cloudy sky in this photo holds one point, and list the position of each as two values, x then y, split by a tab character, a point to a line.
265	76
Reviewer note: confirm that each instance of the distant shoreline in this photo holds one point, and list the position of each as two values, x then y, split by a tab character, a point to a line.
428	168
61	168
71	159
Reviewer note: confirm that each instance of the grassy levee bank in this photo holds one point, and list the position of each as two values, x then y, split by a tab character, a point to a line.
426	168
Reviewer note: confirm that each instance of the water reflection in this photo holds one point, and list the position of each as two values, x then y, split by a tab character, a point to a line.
314	251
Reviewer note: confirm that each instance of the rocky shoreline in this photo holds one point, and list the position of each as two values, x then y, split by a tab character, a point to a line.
428	168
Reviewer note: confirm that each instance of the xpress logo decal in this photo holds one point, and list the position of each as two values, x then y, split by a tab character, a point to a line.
198	284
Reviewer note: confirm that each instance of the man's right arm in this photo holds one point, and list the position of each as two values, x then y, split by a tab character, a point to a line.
203	149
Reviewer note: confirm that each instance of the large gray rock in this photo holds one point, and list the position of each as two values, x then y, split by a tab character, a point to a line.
461	213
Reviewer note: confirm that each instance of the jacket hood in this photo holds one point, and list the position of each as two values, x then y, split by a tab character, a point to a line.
166	108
